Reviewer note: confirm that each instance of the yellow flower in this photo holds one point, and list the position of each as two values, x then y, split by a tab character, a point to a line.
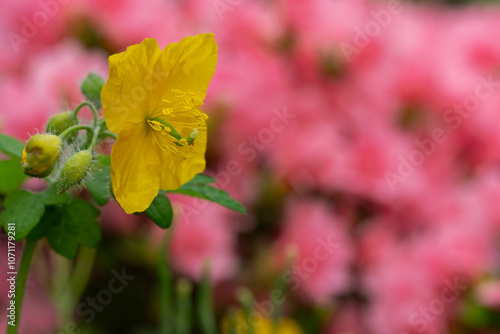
151	100
261	325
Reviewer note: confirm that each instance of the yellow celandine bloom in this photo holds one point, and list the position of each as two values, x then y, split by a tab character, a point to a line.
152	101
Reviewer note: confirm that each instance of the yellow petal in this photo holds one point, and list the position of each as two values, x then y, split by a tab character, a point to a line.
135	168
188	66
174	172
126	96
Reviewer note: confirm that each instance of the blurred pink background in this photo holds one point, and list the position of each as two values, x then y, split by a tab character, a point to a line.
362	136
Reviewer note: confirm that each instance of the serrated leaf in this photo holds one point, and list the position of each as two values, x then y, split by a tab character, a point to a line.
24	209
73	224
100	186
11	146
160	211
91	88
209	193
50	197
11	175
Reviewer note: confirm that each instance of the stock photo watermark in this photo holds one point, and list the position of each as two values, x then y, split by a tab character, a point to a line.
453	117
31	26
223	6
293	277
11	273
423	316
96	304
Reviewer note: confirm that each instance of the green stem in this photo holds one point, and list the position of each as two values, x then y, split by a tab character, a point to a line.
21	279
246	300
280	286
110	134
81	273
165	279
75	128
233	320
92	108
204	304
184	307
94	138
74	285
60	287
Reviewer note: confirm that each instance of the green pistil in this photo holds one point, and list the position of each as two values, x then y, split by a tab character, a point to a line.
174	133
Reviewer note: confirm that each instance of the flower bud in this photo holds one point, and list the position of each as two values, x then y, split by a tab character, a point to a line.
40	155
74	170
60	122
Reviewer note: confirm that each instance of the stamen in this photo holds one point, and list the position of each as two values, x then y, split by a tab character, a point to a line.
178	93
181	155
188	103
155	125
168	111
183	142
172	131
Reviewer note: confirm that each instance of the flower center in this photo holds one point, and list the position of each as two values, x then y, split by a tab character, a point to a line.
181	111
181	146
165	128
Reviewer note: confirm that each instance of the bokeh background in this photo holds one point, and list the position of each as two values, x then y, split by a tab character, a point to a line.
362	136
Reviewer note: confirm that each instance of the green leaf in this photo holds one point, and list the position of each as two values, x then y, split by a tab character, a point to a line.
160	211
91	88
201	178
24	209
50	197
51	214
11	146
189	192
100	186
212	194
71	225
11	175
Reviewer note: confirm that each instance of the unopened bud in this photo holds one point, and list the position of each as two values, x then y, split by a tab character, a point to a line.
74	170
60	122
40	155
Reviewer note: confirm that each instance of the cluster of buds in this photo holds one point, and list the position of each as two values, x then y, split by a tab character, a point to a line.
42	153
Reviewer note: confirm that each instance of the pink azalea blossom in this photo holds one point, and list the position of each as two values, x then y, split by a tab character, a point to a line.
323	252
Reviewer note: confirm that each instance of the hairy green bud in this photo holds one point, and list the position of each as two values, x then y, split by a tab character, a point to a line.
60	122
40	155
74	170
